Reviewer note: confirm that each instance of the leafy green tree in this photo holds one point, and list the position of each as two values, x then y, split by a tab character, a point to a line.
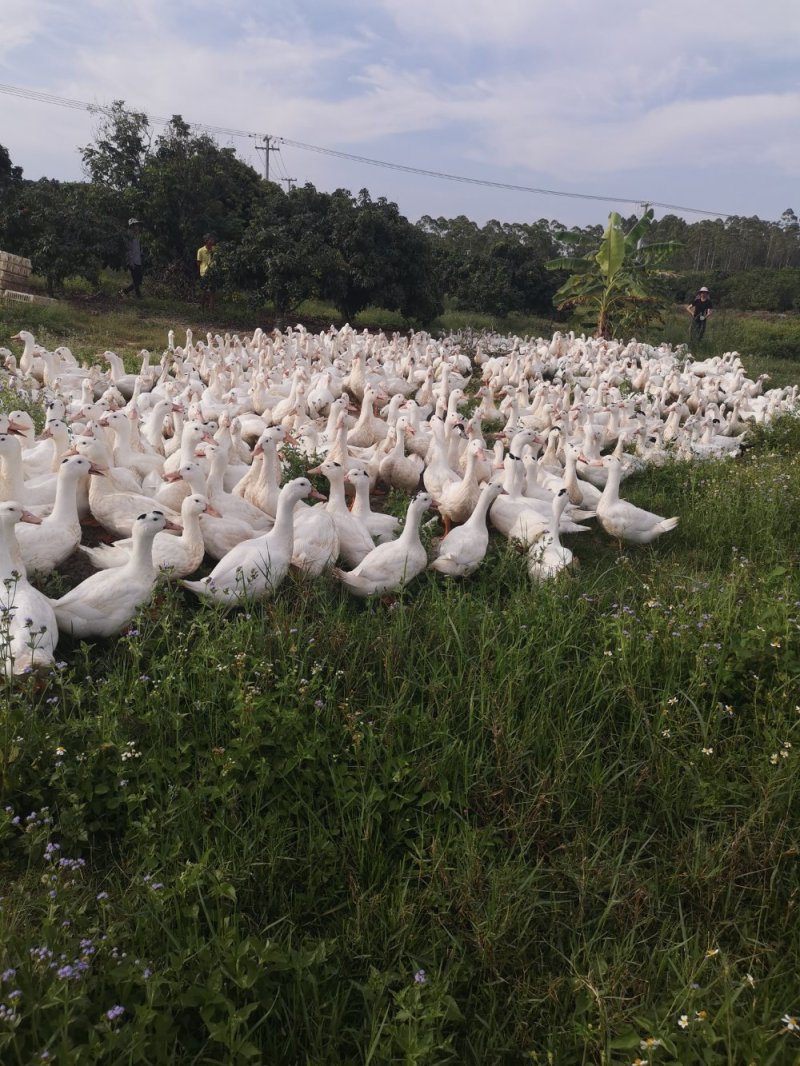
11	184
286	254
618	288
189	187
387	260
67	229
498	268
117	156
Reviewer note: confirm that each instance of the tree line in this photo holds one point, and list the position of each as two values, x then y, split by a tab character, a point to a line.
284	247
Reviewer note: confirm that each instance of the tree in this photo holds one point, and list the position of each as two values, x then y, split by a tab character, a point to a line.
285	255
119	152
387	260
67	229
10	186
618	287
498	268
189	187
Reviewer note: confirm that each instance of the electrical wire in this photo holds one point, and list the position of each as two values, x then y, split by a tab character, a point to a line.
82	105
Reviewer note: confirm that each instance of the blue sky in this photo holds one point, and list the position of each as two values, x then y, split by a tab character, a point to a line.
688	103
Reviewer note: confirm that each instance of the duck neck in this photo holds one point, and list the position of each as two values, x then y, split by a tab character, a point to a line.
12	480
478	516
336	499
411	529
65	505
361	507
192	533
284	518
10	560
142	551
611	490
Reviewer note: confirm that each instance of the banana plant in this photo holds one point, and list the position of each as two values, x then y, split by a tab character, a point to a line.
617	287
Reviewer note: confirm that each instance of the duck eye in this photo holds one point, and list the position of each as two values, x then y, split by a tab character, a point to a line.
140	517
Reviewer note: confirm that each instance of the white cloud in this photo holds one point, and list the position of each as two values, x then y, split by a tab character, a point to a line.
569	93
21	21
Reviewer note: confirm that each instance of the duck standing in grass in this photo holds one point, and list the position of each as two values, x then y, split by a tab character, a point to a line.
106	602
548	557
28	630
254	569
625	521
463	550
391	566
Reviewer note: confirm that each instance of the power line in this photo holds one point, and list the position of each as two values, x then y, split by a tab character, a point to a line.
269	139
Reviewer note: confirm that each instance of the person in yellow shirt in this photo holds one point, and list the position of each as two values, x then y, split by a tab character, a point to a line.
205	259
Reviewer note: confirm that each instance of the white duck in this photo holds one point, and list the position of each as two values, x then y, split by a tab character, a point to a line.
390	567
381	527
255	568
548	557
398	470
463	550
45	545
355	541
625	521
106	602
178	556
459	498
28	631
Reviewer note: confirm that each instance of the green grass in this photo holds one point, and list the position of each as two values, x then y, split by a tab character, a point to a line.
286	813
755	335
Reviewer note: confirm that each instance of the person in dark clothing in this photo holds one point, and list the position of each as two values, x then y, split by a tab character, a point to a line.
133	258
700	308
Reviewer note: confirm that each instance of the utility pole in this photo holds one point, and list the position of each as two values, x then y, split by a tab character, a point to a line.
266	148
290	183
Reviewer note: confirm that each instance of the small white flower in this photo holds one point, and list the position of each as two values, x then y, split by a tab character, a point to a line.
792	1023
707	751
649	1043
683	1021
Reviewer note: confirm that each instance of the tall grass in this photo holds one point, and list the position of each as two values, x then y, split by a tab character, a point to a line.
484	823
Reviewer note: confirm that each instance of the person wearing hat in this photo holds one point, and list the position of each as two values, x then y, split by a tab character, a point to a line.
133	258
700	308
205	260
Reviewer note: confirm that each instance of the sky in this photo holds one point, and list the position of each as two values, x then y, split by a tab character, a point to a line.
695	104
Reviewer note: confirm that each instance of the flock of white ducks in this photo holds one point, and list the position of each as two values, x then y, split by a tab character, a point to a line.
185	460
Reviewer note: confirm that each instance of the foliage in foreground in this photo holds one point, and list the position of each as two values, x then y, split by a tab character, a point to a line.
488	824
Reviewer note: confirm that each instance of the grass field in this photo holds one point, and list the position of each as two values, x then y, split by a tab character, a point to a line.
491	824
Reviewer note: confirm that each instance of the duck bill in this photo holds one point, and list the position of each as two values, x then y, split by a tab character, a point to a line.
315	470
169	524
212	511
31	519
96	470
315	495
